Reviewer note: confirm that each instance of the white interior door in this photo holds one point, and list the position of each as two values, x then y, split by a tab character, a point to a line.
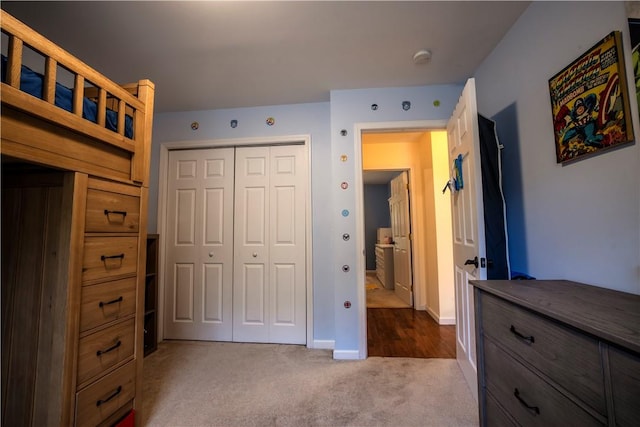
287	301
199	245
468	227
269	274
401	230
251	271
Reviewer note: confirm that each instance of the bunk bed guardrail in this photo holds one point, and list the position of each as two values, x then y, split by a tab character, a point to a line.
117	115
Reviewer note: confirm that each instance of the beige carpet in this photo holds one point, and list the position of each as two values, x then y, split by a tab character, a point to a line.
379	297
230	384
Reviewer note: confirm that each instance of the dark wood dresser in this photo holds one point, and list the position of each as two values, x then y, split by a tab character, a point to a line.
556	353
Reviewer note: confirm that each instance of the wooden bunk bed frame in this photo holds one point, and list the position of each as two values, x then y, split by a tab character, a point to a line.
74	209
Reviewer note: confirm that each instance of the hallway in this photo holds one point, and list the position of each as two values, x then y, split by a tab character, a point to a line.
405	332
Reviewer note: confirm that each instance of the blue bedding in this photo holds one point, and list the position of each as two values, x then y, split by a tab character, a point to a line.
31	83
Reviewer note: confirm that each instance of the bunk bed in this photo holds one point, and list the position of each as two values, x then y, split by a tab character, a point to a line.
75	170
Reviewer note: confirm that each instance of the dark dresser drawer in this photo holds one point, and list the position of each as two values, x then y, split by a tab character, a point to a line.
625	385
495	413
570	358
532	401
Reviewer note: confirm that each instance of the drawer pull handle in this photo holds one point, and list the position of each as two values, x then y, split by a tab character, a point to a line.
114	394
102	304
535	409
113	347
112	265
108	212
531	339
103	257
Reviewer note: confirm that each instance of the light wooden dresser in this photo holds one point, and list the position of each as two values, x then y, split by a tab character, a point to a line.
557	353
384	265
73	291
110	312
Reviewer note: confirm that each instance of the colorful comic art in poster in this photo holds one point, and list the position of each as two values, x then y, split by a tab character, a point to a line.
590	102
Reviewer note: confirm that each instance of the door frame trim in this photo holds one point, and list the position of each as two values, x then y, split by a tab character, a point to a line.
165	147
360	268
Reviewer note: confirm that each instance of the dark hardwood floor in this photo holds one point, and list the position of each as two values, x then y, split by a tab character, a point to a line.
405	332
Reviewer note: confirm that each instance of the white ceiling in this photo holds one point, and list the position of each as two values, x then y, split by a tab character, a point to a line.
219	54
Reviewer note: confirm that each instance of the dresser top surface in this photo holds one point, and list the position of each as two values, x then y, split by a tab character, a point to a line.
613	316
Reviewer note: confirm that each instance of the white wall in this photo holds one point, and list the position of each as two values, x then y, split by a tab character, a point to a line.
308	119
580	221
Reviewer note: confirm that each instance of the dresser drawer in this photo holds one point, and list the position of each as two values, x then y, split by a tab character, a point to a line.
101	399
106	302
111	212
625	384
107	257
495	415
515	387
99	351
571	359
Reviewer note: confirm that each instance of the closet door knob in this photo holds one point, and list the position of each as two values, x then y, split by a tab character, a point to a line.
255	254
210	254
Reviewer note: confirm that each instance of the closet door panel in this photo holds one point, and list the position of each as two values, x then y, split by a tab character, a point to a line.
287	245
251	252
199	244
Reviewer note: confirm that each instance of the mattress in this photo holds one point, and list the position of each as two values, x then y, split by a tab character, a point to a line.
31	83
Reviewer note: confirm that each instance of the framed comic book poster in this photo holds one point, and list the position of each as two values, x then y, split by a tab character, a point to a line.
590	102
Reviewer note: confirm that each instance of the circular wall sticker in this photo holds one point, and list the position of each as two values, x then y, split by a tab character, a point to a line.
345	212
347	304
345	237
344	185
271	121
195	126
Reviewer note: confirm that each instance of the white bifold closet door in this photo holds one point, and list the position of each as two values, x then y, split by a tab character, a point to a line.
269	296
256	290
199	245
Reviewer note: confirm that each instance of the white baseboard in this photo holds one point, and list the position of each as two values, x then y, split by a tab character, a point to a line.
447	321
324	344
441	320
346	354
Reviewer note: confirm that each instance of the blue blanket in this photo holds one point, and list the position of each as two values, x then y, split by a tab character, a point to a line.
31	83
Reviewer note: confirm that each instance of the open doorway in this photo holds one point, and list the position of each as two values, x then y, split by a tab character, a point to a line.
421	154
388	263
